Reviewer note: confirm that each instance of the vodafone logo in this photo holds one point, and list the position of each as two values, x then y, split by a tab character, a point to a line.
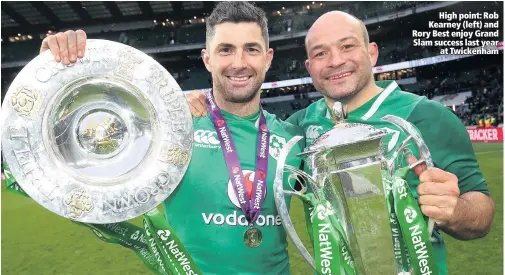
248	181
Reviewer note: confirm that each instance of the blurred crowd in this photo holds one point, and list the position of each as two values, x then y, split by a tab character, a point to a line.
485	104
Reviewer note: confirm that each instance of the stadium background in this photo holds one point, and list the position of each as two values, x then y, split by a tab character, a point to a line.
37	241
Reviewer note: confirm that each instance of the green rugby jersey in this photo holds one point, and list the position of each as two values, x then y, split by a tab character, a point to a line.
204	210
442	131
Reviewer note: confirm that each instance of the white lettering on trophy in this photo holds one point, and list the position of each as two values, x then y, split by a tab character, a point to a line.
145	253
396	242
325	248
116	227
28	163
421	250
174	115
174	108
347	256
179	256
130	200
156	253
402	188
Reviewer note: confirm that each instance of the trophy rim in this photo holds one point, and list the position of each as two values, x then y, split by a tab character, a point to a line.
156	177
315	148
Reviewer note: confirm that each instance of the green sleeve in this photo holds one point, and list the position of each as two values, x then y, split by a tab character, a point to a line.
449	144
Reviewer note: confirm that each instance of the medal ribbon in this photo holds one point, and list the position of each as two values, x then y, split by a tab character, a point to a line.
332	253
400	250
156	244
250	207
413	226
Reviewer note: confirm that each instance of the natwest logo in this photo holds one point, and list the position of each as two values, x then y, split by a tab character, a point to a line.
248	181
237	218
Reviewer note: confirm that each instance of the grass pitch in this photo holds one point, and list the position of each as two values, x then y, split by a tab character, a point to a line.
36	241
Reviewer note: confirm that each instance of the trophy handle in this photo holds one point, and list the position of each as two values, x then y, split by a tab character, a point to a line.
425	155
281	203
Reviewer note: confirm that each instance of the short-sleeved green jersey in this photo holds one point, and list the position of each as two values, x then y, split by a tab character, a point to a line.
442	131
204	210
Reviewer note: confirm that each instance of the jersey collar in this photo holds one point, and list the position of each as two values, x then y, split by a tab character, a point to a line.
368	109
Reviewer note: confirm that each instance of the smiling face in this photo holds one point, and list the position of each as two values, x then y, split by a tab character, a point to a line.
238	59
340	60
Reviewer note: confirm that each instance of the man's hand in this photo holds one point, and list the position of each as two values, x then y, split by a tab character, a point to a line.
66	47
197	104
464	217
438	193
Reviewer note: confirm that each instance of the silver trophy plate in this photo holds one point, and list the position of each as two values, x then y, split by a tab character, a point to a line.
101	141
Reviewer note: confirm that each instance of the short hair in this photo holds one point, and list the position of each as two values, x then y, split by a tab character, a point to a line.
236	12
366	37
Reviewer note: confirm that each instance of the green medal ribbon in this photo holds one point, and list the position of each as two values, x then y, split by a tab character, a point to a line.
413	226
129	236
331	249
161	239
400	250
156	244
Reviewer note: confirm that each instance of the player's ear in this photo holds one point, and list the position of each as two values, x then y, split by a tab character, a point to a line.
206	60
307	65
373	52
270	56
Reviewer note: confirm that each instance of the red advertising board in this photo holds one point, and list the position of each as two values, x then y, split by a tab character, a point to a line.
486	134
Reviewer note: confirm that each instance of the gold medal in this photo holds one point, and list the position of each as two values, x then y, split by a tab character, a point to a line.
253	237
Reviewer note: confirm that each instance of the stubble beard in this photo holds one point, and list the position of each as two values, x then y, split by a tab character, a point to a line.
230	96
349	95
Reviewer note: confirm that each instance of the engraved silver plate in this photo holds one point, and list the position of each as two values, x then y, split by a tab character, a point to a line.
101	141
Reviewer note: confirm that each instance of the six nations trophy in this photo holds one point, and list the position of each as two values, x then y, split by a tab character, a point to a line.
364	219
100	142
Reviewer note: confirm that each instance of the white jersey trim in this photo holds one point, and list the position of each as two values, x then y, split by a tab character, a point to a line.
375	106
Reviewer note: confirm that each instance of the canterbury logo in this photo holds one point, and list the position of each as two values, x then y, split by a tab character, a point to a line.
313	131
206	139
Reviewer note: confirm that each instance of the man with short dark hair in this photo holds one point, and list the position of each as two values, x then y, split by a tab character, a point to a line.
340	62
223	211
